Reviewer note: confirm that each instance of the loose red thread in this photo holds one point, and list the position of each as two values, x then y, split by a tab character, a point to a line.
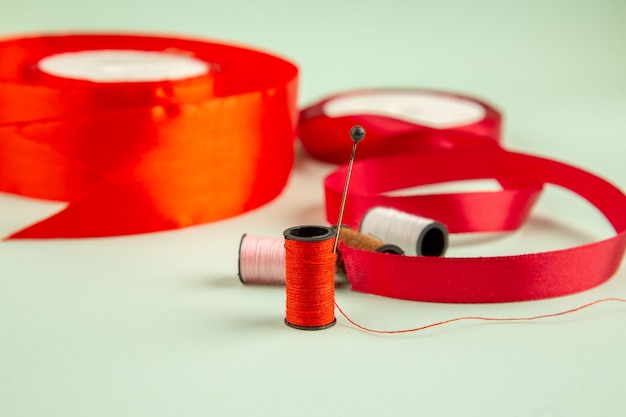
479	318
310	277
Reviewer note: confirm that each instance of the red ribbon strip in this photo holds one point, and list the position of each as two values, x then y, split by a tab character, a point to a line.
136	157
471	280
495	279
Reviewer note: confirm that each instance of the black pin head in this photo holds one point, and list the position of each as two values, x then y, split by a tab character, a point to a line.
357	133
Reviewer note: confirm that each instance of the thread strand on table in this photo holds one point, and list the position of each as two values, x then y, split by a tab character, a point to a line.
480	318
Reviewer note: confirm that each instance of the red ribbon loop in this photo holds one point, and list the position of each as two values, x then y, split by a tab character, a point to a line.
490	279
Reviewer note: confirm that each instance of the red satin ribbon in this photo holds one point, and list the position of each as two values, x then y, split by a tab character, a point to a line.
386	135
483	279
144	156
488	279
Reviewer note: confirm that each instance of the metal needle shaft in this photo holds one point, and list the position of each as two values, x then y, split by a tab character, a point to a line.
357	133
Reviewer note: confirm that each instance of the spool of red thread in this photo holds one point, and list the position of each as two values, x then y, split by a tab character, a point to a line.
310	277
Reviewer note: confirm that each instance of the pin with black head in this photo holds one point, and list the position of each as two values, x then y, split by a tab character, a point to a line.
357	133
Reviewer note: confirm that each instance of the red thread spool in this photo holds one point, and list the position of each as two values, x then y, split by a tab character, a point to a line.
310	277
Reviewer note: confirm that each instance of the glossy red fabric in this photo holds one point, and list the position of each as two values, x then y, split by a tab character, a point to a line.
427	160
144	156
485	279
466	212
386	135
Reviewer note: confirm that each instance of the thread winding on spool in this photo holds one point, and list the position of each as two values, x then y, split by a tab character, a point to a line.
359	240
310	277
262	260
355	239
416	235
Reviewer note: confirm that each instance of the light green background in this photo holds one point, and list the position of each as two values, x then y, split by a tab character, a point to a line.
158	325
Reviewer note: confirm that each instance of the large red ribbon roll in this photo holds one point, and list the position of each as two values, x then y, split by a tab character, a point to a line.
143	156
421	162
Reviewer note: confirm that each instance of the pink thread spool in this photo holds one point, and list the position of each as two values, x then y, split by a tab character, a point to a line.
262	260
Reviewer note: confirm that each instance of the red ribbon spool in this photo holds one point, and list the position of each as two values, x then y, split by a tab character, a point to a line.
136	157
457	122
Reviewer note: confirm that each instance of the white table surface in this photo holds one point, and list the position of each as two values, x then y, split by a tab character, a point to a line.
159	324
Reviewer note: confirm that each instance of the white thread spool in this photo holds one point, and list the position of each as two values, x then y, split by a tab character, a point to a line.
416	235
262	260
112	65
